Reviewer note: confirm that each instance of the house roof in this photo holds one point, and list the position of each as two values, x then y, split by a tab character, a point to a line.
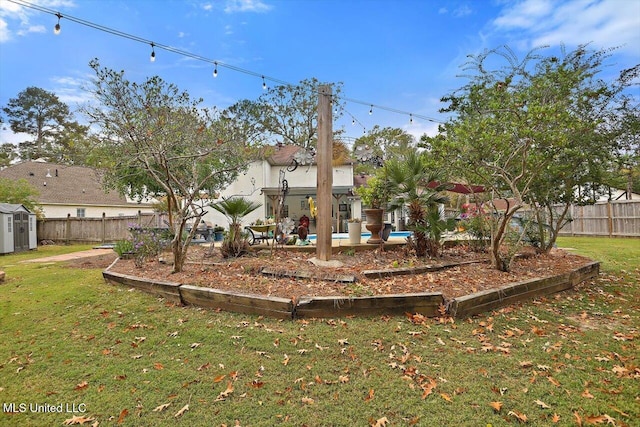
63	184
12	207
284	154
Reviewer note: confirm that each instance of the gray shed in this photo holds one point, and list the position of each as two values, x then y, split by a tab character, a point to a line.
17	229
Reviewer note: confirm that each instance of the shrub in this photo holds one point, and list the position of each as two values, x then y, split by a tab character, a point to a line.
123	247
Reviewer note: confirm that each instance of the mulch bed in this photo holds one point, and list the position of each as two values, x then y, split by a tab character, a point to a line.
244	274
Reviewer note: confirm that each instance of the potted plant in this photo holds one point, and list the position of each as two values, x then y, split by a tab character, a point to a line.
373	195
355	231
218	233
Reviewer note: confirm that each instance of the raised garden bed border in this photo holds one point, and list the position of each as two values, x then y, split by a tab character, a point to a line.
427	304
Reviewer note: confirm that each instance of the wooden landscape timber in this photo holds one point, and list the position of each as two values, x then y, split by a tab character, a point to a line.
168	290
427	304
492	299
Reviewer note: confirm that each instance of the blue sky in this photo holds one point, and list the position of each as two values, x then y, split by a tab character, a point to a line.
400	54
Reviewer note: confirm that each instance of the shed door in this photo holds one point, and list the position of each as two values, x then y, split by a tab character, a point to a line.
21	231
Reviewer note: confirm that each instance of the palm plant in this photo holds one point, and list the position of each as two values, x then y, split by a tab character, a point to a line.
411	184
235	208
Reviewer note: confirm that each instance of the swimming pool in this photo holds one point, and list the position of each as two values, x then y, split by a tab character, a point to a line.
365	235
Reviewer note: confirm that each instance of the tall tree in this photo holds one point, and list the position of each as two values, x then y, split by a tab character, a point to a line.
42	115
288	113
527	130
156	141
381	144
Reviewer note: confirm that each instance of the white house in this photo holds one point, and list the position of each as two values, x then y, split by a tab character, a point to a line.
265	181
72	190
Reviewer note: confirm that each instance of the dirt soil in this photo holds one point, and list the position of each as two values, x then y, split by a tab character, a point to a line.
244	274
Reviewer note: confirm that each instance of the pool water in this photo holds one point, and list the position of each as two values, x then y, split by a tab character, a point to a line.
345	236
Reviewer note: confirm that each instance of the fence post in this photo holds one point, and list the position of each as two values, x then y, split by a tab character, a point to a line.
104	227
68	229
610	218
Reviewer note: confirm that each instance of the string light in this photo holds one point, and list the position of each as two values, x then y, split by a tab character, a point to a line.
56	29
118	33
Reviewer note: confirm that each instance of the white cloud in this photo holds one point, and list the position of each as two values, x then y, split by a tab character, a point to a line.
246	6
605	23
31	29
11	12
462	11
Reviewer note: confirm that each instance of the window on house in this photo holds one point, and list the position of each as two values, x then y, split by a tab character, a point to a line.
30	224
80	212
10	222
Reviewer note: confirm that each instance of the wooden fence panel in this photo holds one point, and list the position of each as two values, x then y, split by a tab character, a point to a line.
620	218
102	230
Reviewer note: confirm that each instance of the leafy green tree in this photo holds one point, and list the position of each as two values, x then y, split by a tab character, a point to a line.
155	141
7	154
381	144
412	185
235	209
286	112
529	131
42	115
20	192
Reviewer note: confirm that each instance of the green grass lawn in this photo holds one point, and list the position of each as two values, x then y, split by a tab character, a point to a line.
120	357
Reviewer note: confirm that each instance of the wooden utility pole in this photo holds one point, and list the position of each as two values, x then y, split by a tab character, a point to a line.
325	174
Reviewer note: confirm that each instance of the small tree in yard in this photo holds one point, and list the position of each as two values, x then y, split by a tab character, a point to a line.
235	209
155	141
410	183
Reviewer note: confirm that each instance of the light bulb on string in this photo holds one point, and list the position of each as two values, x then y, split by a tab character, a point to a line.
215	70
56	29
371	110
152	58
353	122
410	119
264	84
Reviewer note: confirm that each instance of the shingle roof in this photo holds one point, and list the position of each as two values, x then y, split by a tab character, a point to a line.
63	184
11	208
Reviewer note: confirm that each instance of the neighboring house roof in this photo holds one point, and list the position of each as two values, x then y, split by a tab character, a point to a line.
63	184
283	154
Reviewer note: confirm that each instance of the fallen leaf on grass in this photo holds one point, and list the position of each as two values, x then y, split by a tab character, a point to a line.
226	393
519	416
161	407
446	396
81	386
586	394
382	422
497	406
308	401
219	378
77	420
181	412
555	418
541	404
369	395
123	415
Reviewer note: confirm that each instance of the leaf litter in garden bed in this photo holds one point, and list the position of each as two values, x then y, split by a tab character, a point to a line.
244	274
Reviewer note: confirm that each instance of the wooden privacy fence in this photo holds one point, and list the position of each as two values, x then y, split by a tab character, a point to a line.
103	230
620	218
